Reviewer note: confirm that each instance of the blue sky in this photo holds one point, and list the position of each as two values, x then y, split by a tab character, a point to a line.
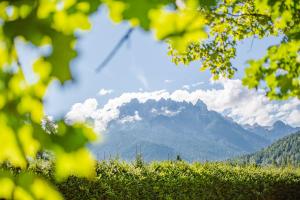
141	65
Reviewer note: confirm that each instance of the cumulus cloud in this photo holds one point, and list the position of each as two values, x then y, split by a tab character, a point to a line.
232	99
104	92
294	117
82	111
249	106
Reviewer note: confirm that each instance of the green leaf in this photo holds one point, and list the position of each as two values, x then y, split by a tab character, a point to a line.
62	54
135	11
72	138
179	28
37	31
26	186
79	163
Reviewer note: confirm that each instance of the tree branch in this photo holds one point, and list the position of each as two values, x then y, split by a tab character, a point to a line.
248	14
115	50
19	65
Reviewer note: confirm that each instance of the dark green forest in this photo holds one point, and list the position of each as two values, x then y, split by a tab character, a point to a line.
285	151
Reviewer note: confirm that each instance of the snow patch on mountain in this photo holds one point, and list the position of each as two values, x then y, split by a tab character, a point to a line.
128	119
165	111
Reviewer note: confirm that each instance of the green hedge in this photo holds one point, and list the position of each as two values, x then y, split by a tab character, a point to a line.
179	180
168	180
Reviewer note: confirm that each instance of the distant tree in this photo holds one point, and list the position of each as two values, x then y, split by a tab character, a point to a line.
49	125
139	161
178	157
276	154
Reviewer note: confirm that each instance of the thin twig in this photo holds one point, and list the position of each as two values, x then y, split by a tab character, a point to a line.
252	41
19	65
115	50
248	14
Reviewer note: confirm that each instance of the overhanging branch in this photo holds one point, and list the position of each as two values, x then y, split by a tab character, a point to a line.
115	50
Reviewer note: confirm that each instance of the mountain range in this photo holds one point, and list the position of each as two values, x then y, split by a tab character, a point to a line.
278	130
162	129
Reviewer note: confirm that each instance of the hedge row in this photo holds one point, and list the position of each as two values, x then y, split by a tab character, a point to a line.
179	180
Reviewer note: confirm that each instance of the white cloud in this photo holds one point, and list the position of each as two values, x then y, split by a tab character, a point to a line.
81	111
104	92
143	80
234	100
197	84
248	106
186	87
294	117
194	85
168	81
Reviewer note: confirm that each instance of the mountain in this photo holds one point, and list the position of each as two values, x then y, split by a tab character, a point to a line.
285	151
165	128
278	130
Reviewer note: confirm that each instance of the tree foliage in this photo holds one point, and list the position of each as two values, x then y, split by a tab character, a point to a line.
180	180
195	30
39	23
284	152
232	21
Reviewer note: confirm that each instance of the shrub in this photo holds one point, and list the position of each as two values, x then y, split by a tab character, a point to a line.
180	180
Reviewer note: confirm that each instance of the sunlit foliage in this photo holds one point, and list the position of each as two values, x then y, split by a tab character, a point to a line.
231	21
284	152
39	23
180	180
195	30
26	186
